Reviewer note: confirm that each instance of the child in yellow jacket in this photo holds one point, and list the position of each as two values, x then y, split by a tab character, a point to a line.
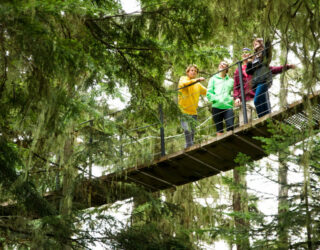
190	90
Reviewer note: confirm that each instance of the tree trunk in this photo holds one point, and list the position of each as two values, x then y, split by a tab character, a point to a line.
240	207
283	236
69	174
306	186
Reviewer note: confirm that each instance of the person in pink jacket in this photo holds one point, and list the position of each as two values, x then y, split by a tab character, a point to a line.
249	93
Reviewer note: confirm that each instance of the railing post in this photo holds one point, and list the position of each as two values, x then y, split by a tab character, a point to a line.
243	97
121	149
163	151
58	175
90	156
90	165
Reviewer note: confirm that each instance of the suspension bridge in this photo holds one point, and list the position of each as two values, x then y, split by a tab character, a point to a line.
202	160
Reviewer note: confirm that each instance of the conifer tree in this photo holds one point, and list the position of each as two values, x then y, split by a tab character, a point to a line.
58	58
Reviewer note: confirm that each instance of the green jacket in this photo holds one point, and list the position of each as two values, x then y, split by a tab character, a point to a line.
219	92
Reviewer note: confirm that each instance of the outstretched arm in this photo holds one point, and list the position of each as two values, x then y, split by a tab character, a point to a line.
279	69
185	81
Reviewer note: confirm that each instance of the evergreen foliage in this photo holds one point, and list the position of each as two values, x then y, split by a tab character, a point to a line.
61	60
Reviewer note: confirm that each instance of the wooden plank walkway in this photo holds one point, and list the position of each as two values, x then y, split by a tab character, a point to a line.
197	162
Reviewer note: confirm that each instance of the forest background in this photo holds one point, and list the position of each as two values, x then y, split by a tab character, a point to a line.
61	60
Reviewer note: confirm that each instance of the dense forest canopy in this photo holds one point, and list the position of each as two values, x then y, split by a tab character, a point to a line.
61	60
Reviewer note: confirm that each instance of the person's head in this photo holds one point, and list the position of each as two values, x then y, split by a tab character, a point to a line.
258	44
223	65
246	52
192	71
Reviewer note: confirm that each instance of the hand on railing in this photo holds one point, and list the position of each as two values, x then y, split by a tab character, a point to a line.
237	102
291	66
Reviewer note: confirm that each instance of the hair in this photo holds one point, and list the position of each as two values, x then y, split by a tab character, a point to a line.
260	41
264	50
224	62
192	66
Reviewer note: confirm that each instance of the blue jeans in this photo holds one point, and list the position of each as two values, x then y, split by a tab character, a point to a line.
188	126
261	100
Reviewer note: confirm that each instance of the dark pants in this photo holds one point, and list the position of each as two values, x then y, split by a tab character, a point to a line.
188	125
261	100
219	115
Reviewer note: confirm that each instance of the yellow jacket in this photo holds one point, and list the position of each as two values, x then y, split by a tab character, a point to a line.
188	97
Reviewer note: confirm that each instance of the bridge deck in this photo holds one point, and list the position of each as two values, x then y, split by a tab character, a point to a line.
197	162
202	160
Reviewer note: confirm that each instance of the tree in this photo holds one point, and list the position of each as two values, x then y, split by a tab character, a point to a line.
58	58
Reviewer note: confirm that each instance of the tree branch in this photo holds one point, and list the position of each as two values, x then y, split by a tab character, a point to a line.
132	14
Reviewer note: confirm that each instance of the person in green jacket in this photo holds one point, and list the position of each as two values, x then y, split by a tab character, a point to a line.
219	91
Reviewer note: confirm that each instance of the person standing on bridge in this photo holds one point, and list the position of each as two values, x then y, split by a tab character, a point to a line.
190	90
220	87
248	92
258	67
